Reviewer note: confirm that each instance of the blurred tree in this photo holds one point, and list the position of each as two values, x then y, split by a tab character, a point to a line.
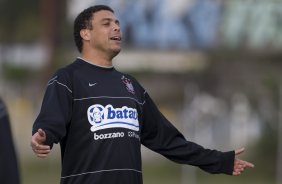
34	21
19	21
53	15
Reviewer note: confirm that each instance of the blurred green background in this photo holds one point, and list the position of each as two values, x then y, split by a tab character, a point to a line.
213	67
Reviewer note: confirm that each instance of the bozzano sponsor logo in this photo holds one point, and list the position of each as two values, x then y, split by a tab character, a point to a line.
101	117
108	135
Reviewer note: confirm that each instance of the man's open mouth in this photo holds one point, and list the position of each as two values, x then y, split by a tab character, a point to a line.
117	38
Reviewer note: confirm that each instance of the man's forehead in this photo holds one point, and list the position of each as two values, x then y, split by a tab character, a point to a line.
104	15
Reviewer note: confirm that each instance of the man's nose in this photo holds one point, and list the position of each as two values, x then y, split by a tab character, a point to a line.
117	28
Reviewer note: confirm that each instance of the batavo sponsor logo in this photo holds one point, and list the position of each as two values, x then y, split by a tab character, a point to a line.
101	117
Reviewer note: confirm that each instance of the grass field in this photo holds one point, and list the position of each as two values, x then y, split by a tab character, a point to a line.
47	171
170	173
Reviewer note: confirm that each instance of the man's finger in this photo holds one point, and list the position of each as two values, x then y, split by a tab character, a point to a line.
33	143
248	164
35	146
236	173
239	151
40	151
243	163
42	147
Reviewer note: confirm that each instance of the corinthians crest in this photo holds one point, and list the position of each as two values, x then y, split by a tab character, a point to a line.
128	84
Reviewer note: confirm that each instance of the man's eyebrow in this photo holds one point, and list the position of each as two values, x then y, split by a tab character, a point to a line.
110	19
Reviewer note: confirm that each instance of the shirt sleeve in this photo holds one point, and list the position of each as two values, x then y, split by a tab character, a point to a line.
56	109
159	135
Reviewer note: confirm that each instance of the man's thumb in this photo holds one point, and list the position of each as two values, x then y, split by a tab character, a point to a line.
41	133
239	151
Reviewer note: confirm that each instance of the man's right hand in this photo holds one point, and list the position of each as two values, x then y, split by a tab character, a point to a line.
37	144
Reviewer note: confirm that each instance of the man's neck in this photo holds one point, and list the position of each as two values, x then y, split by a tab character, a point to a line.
95	63
96	59
98	62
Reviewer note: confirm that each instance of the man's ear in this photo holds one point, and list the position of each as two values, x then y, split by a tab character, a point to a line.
85	34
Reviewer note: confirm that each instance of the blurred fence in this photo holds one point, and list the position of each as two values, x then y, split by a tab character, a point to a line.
203	24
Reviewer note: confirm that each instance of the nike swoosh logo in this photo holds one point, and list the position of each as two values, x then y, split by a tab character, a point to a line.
92	84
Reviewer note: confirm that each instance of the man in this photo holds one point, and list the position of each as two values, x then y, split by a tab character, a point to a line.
9	172
101	116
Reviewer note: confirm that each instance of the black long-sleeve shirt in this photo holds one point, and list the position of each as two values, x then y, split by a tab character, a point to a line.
101	117
9	171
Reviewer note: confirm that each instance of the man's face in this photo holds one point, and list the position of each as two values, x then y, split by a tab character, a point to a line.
105	35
